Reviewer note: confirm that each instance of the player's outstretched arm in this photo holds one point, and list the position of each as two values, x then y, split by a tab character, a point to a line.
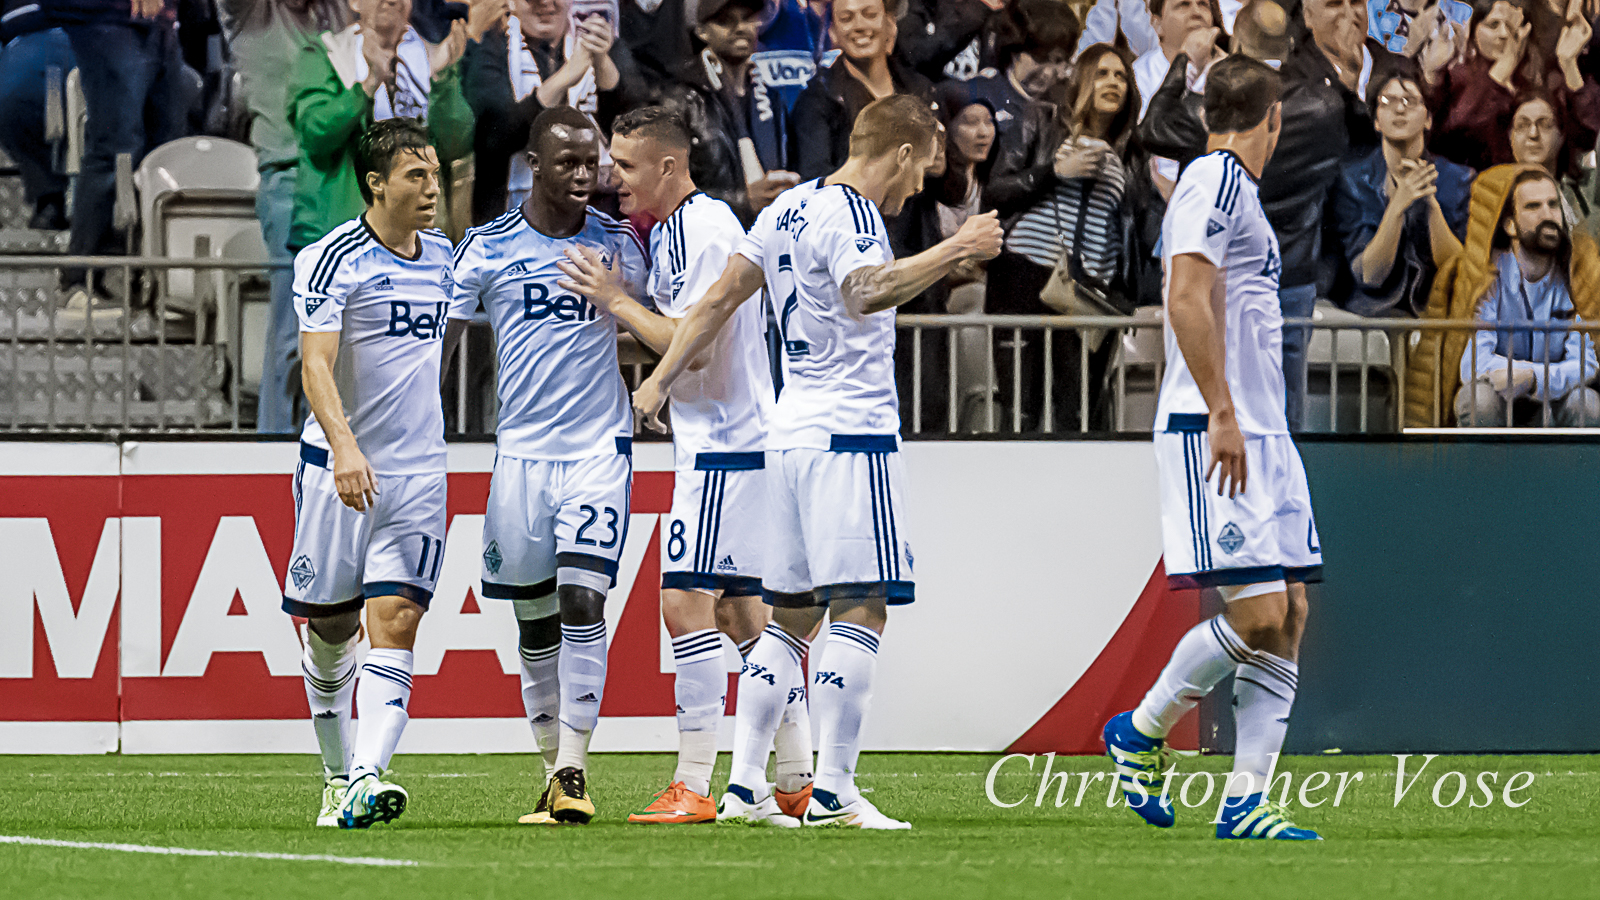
352	475
877	288
1197	311
696	332
589	276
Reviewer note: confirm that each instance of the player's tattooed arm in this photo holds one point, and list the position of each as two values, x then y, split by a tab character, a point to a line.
873	289
1197	311
588	275
352	475
696	332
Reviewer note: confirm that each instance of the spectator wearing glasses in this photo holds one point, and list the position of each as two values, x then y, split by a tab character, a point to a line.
1539	137
1400	212
1534	377
342	82
866	70
1035	56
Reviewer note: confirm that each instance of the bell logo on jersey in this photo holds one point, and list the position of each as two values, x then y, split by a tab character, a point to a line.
537	304
423	326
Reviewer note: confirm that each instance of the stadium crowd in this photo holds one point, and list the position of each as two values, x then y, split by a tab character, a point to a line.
1071	120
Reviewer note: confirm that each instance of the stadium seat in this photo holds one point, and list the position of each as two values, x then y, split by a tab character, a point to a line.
1335	357
1141	355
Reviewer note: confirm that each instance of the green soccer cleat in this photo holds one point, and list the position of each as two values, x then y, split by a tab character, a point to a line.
333	791
369	802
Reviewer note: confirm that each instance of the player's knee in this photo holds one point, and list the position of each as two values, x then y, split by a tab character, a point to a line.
581	605
685	611
393	621
868	612
336	629
742	618
800	622
1258	613
539	634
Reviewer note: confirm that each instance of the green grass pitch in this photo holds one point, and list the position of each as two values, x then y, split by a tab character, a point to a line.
460	833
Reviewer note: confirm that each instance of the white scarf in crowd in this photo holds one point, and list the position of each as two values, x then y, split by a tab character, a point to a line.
525	79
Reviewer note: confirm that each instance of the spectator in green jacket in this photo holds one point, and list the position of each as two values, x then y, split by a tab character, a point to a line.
342	82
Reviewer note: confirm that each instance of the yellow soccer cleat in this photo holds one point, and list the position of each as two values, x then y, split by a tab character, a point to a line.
677	805
541	811
569	797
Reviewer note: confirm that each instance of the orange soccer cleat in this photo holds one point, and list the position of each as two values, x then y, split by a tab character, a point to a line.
677	805
793	804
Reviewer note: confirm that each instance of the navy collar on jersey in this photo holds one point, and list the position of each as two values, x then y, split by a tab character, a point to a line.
379	241
522	213
1242	167
684	202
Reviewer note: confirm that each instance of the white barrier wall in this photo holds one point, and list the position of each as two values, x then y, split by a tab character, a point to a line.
140	604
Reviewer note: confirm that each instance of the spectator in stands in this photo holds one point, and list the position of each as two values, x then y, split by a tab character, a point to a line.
786	58
537	58
949	38
1189	27
132	77
1536	377
1400	212
656	37
1035	56
378	68
864	31
265	36
32	49
1539	137
740	147
1476	98
1067	185
1138	23
1325	119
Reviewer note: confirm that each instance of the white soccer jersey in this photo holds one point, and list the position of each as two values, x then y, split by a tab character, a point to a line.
390	313
1216	212
723	408
839	370
560	386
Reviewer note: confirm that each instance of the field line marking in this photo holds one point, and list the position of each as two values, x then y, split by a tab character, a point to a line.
186	851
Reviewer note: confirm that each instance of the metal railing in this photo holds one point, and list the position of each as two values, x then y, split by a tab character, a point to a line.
170	356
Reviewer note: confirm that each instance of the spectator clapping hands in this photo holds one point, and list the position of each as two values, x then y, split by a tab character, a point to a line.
485	16
1573	42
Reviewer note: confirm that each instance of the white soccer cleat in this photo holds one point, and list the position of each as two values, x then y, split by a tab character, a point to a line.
733	810
859	813
333	791
370	801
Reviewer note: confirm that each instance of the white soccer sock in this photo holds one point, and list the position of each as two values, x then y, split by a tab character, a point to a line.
330	676
843	691
1263	694
541	699
1202	658
381	698
792	743
583	684
701	689
772	667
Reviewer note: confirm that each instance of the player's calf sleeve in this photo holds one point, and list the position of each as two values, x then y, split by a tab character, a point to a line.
1202	658
1263	693
583	682
541	697
701	690
382	695
792	744
330	676
841	691
770	671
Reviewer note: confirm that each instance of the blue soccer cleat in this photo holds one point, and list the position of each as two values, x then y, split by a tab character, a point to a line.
1140	758
1256	818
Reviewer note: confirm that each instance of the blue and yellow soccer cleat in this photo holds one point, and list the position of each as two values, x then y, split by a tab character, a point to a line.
371	801
1140	758
1256	818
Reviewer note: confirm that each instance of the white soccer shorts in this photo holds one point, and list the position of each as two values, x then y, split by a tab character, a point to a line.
555	522
716	533
837	526
1267	533
342	557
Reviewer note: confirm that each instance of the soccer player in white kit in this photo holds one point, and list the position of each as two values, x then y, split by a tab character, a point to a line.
1235	507
837	539
373	297
558	499
714	537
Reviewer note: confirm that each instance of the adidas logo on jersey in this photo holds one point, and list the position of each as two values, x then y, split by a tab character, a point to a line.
726	564
302	572
396	702
518	268
588	698
383	285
